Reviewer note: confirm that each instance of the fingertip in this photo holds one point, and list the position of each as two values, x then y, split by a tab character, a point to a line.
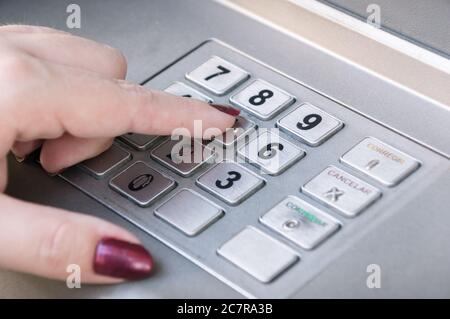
227	109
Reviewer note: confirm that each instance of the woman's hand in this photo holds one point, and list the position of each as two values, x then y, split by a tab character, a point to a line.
67	95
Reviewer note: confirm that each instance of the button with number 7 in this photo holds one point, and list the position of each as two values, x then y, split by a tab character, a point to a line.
310	124
217	75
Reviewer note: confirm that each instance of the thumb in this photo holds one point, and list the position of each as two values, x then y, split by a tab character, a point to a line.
56	239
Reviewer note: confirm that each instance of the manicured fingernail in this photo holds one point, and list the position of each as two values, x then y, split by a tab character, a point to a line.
20	159
121	259
226	109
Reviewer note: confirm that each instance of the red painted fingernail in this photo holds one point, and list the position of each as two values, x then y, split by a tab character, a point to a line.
226	109
121	259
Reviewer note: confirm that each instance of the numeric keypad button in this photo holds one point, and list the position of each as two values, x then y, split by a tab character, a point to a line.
183	156
242	127
380	161
140	142
260	255
189	212
107	162
262	99
300	222
271	153
217	75
342	191
181	89
310	124
141	184
230	182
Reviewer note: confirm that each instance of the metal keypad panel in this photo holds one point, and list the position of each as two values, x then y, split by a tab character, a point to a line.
276	212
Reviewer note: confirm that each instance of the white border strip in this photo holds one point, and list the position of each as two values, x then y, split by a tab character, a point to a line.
379	35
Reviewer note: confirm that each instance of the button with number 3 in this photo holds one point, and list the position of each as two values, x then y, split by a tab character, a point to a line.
310	124
217	75
262	99
230	182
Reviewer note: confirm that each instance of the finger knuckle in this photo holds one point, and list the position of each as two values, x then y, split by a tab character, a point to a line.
18	67
55	250
141	108
119	61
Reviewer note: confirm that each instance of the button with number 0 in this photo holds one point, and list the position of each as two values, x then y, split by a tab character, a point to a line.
141	184
262	99
310	124
217	75
231	182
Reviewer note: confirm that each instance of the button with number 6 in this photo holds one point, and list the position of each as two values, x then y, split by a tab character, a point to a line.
262	99
310	124
230	182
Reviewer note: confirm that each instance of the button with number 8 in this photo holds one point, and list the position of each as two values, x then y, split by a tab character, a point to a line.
310	124
262	99
230	182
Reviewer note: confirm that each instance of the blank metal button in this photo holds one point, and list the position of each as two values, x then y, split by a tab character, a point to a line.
140	142
271	153
304	224
184	158
310	124
342	191
380	161
189	212
230	182
217	75
106	162
141	183
258	254
262	99
181	89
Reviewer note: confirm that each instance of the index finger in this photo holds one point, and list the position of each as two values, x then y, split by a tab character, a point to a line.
86	105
